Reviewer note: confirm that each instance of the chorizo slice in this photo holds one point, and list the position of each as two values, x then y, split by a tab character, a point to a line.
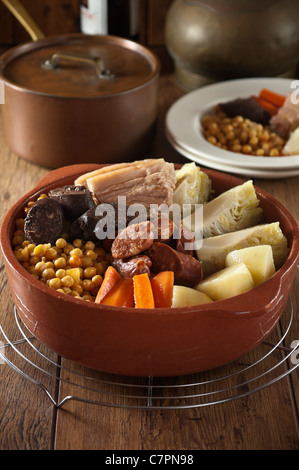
185	242
133	240
130	267
164	229
187	269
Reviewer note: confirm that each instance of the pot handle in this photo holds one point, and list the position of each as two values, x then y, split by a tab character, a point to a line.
20	13
97	62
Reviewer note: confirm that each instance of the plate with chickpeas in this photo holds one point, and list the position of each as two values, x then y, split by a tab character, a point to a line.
244	126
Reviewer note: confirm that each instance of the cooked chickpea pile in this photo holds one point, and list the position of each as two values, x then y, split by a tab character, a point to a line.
241	135
76	268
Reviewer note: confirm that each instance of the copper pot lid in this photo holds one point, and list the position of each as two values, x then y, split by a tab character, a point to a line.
79	66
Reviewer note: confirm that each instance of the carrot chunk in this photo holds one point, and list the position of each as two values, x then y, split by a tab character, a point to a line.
162	286
110	279
275	98
121	295
143	293
266	105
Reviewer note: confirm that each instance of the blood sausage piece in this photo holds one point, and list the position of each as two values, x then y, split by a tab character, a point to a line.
133	240
44	222
74	200
130	267
187	270
102	223
248	108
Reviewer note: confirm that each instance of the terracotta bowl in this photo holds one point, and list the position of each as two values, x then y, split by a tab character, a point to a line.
160	342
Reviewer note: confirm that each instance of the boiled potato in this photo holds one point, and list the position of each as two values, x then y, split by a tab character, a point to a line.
212	254
186	297
258	259
228	282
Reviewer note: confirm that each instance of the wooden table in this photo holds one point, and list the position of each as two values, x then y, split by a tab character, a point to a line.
29	420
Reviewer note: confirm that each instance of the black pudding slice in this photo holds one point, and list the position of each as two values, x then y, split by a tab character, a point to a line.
44	222
74	200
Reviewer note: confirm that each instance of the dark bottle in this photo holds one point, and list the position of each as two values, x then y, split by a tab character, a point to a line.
115	17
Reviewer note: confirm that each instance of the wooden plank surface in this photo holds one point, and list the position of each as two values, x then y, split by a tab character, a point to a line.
266	419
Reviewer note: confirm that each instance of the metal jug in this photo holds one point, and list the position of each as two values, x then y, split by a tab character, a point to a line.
226	39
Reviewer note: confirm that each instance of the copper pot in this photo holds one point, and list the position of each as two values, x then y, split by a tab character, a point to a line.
77	98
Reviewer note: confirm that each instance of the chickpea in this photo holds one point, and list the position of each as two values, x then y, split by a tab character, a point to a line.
213	128
91	246
253	141
60	263
212	139
97	280
20	223
75	261
78	288
61	243
90	272
60	273
100	267
77	243
74	293
34	260
68	248
67	281
51	254
18	239
230	135
274	152
55	283
88	285
86	262
48	273
247	149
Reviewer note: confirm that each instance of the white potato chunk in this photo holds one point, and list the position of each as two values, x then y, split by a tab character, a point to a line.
186	297
228	282
258	259
214	250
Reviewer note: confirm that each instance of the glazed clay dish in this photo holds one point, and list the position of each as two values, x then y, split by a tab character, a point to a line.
150	341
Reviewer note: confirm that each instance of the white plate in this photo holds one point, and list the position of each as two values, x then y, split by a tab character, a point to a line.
184	129
248	172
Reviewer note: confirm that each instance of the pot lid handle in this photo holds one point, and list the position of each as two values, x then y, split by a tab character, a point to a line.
20	13
97	62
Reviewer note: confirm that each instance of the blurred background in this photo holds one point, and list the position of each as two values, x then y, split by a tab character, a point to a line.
202	41
60	17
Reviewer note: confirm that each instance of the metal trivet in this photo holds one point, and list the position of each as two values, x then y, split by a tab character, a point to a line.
266	365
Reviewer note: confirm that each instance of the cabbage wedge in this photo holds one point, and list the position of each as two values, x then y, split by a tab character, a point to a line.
193	186
214	250
235	209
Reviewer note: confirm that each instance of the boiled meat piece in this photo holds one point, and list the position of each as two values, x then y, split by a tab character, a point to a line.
287	118
146	182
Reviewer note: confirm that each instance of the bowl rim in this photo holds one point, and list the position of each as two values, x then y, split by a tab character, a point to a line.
231	306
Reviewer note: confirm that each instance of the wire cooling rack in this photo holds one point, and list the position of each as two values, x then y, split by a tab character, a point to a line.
63	381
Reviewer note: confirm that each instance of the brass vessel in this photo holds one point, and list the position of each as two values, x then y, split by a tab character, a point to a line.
224	39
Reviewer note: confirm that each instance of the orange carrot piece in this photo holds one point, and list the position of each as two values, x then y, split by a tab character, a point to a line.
266	105
143	293
110	279
275	98
162	286
121	295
